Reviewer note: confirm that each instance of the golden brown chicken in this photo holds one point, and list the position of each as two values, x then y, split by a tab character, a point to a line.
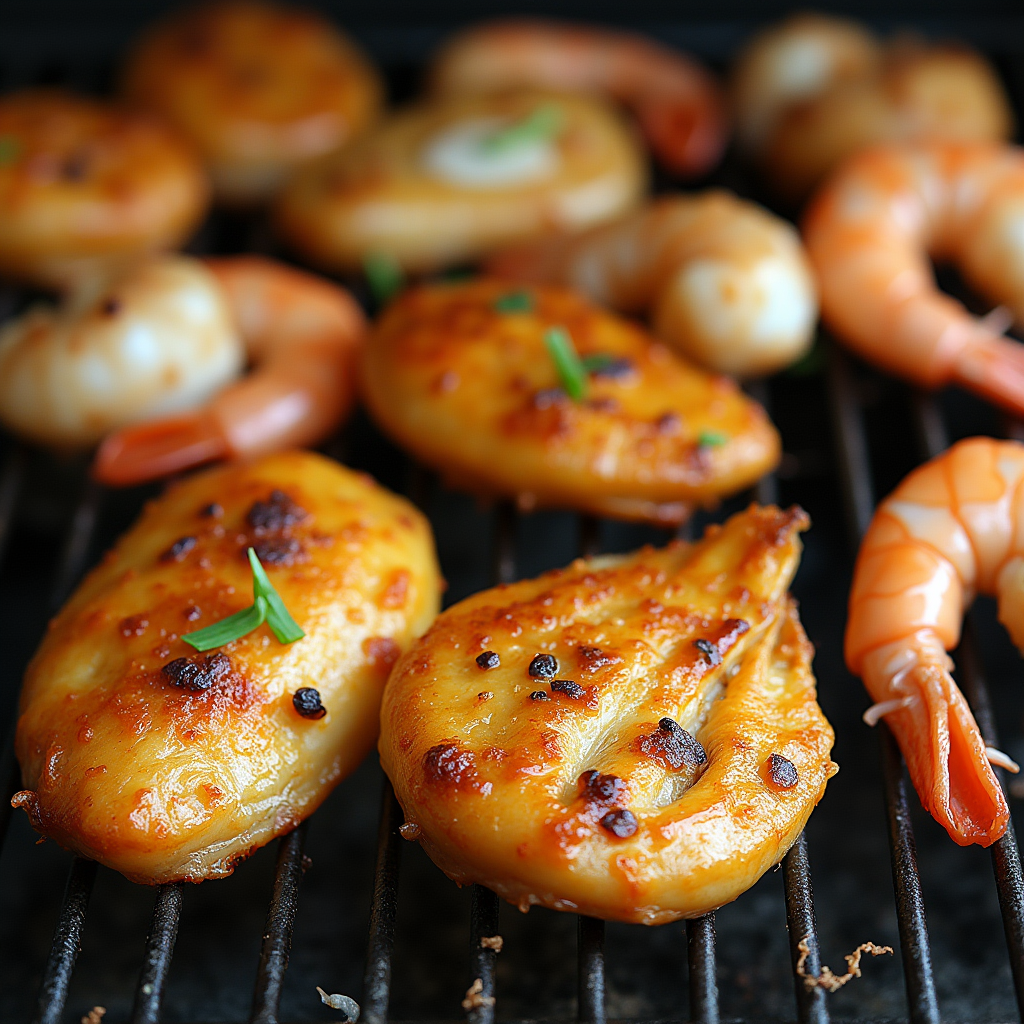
259	89
462	376
451	179
86	186
168	764
634	737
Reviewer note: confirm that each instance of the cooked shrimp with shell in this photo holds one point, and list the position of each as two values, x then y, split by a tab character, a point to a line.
169	763
260	89
634	737
450	179
723	281
150	365
86	188
951	530
536	394
813	91
870	232
676	100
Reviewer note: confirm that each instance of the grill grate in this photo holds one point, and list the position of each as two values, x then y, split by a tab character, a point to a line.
843	380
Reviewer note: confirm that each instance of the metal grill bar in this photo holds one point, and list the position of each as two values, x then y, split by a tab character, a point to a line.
1005	852
377	978
484	924
277	936
11	477
77	542
67	941
915	946
157	960
700	955
796	877
590	970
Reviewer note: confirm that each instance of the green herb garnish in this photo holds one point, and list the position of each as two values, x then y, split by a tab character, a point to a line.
266	606
544	123
711	438
384	275
567	362
514	302
9	149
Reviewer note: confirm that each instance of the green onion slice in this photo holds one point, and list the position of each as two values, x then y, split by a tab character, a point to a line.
567	362
514	302
711	438
384	275
9	149
266	606
542	124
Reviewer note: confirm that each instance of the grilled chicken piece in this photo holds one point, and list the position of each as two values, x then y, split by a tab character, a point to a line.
167	764
461	375
633	737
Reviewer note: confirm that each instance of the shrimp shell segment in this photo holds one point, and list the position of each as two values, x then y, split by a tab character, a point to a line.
675	758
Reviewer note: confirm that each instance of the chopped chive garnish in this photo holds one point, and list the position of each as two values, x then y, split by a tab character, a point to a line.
9	149
542	124
567	362
596	363
514	302
384	275
711	438
266	606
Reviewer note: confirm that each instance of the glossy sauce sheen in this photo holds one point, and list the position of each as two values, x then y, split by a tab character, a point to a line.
124	763
473	390
590	797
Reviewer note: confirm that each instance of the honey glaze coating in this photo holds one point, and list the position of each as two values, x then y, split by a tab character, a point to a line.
461	376
167	764
681	763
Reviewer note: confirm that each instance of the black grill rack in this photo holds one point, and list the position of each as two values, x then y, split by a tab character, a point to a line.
844	384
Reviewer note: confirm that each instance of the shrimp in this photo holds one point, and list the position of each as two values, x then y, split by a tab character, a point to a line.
726	282
677	102
869	233
952	529
302	335
157	340
814	90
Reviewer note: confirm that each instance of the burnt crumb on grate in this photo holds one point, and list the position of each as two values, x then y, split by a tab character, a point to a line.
621	823
277	513
95	1015
827	979
197	674
336	1001
543	666
781	771
178	550
495	942
306	700
489	659
569	687
474	997
673	744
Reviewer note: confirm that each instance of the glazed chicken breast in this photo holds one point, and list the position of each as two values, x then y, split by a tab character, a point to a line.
633	737
462	375
168	764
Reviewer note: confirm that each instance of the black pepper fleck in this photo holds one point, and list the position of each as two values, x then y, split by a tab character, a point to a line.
621	823
178	550
569	687
782	772
489	659
613	369
706	647
540	695
277	513
306	701
277	552
197	675
543	666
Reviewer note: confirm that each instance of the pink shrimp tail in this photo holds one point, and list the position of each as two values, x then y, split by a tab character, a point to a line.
994	368
947	760
149	451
